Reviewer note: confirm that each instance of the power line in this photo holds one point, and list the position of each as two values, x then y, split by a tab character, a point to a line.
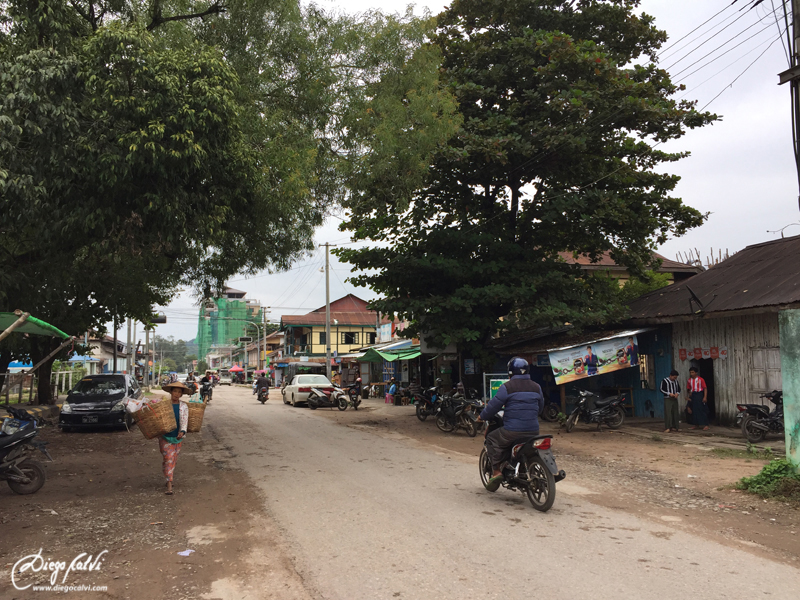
672	45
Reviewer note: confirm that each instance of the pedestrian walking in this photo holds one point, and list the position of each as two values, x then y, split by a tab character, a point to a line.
170	442
698	395
672	393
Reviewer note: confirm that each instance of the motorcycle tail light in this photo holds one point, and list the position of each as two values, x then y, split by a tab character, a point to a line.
304	390
543	444
741	408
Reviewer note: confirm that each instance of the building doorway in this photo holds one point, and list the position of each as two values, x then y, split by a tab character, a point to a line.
706	366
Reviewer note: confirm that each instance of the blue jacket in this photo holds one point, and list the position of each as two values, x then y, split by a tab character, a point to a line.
392	389
523	401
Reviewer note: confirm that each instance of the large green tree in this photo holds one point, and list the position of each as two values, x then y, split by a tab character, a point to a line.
145	145
564	107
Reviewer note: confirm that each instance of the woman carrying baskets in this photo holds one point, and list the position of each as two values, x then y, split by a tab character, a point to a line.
170	442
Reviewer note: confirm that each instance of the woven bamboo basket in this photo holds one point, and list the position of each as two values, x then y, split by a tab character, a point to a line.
155	419
196	412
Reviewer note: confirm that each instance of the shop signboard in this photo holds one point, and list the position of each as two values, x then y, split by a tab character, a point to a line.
714	352
594	358
385	333
542	360
682	354
494	386
469	366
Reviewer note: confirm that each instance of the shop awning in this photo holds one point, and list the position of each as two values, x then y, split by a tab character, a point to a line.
592	340
373	355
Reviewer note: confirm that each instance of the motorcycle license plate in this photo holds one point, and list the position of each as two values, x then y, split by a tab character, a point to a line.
88	419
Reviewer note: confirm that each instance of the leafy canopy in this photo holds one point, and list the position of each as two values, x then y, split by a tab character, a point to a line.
563	109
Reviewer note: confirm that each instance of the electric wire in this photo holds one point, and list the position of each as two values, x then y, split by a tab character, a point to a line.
679	40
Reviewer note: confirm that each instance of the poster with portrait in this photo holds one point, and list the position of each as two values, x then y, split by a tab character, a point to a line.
594	358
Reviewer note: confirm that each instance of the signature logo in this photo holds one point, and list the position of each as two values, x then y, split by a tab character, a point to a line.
35	563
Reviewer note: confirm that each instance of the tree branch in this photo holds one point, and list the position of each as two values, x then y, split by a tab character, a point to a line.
214	9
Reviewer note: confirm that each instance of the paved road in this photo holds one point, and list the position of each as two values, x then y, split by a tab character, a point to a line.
375	517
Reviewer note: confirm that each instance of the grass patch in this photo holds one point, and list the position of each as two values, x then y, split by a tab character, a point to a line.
778	480
656	438
751	452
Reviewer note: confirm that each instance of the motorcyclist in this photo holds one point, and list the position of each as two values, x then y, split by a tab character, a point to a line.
262	382
522	400
191	382
208	379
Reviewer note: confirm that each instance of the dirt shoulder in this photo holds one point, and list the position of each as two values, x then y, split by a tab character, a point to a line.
685	485
105	493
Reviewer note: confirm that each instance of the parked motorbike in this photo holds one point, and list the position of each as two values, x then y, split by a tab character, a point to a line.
592	409
17	443
551	410
429	401
322	398
758	421
263	394
456	413
531	468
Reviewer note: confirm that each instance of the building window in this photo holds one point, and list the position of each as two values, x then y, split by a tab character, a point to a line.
350	337
371	337
765	370
322	339
647	371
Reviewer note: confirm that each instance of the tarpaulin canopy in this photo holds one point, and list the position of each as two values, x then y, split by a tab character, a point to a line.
236	369
373	355
32	325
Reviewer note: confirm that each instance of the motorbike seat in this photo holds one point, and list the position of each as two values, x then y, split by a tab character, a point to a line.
603	402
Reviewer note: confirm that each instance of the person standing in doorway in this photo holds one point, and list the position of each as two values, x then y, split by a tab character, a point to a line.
672	392
698	395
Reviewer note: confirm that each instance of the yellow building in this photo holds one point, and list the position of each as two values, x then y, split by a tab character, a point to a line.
352	327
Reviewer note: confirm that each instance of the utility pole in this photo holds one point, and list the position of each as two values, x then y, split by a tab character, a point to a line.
327	309
146	356
128	349
115	346
792	76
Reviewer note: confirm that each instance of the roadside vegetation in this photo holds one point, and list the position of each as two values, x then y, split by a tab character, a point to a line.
778	480
751	452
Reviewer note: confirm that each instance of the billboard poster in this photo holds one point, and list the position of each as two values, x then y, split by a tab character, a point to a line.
494	386
594	358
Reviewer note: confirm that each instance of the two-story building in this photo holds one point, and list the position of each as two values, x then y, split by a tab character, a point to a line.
352	326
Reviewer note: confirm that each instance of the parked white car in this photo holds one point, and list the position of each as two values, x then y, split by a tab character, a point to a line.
225	380
298	389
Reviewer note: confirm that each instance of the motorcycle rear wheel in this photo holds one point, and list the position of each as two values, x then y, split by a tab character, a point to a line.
421	414
573	418
541	488
485	467
550	412
616	421
34	471
342	404
443	424
752	434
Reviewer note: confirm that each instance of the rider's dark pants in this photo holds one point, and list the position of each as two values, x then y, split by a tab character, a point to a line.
500	441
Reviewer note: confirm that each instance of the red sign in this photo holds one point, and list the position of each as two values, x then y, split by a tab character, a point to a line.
706	352
682	353
698	353
714	352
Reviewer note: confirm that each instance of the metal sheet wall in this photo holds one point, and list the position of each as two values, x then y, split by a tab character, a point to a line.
740	334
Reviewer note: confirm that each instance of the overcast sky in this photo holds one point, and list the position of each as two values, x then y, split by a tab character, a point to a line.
741	169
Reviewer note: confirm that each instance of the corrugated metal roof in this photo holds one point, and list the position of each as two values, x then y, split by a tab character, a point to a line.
762	275
604	261
359	319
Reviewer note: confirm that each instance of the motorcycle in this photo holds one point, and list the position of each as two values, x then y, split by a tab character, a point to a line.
459	413
427	403
206	391
758	421
17	442
349	396
551	410
322	398
531	468
263	394
591	409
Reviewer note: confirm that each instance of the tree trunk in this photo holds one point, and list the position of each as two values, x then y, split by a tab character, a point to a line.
44	389
512	217
5	360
